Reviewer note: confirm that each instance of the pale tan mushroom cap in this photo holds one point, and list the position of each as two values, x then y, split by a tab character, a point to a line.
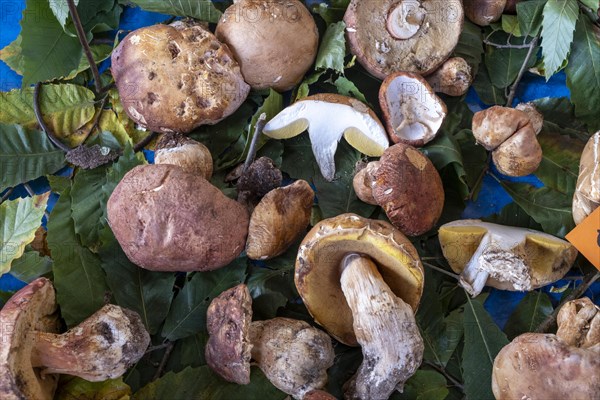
536	117
484	12
579	323
587	192
192	156
453	78
493	126
317	274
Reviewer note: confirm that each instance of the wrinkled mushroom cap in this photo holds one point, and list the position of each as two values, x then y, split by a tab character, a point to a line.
192	156
32	308
579	323
362	182
317	274
412	112
166	219
283	41
587	192
174	78
453	78
431	30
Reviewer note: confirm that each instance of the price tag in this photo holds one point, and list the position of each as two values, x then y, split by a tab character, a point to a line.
586	238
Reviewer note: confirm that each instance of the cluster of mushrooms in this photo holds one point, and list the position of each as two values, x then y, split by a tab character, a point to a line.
360	279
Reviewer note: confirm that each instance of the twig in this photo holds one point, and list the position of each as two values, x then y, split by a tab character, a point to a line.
38	115
588	280
157	347
86	47
513	88
443	271
163	362
96	118
507	46
144	142
260	125
485	170
6	195
443	371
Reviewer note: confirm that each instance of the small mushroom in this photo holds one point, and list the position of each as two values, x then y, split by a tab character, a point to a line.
484	12
362	280
587	192
452	78
389	36
362	183
278	220
261	177
536	117
283	41
102	347
167	219
354	120
504	257
510	135
293	355
192	156
174	78
412	112
546	366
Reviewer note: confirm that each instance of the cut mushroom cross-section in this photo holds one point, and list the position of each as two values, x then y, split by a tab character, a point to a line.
328	117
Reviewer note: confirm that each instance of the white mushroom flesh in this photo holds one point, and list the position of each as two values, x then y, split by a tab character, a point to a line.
405	18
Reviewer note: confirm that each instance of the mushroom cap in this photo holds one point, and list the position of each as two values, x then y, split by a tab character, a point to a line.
536	117
380	51
412	112
278	220
453	78
545	258
362	183
353	119
193	156
579	323
293	355
484	12
541	366
32	308
520	154
228	322
167	219
409	188
493	126
174	78
587	193
283	45
317	274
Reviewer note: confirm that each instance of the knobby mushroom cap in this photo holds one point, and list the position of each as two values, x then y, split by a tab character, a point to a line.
354	120
412	112
275	41
167	219
504	257
453	78
587	192
389	36
192	156
317	273
174	78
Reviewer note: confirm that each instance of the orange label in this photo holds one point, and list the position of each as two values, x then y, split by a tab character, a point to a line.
586	238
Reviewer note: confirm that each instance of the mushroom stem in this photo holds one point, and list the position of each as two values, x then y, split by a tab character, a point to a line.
385	327
102	347
404	19
473	278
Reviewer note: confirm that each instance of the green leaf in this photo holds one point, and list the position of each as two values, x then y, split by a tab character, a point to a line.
483	341
529	14
25	155
510	25
298	159
30	266
546	206
188	311
272	105
71	387
188	352
203	10
20	219
203	384
424	385
331	11
529	314
470	45
487	92
48	52
304	88
65	107
513	215
593	4
347	88
97	16
583	74
503	65
78	276
558	27
333	48
60	9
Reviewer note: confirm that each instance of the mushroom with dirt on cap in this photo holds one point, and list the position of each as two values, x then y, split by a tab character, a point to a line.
587	191
453	78
102	347
362	281
180	150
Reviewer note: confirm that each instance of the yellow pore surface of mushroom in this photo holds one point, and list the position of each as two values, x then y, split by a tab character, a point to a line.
587	192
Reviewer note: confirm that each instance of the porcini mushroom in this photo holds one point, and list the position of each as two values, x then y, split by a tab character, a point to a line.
546	366
362	281
412	112
453	78
278	220
390	36
536	117
174	78
484	12
587	192
510	135
504	257
167	219
283	41
192	156
362	182
354	120
102	347
293	355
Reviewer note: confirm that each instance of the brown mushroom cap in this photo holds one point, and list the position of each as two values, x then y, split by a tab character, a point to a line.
275	41
536	117
362	183
32	308
587	192
452	78
519	155
389	36
193	156
409	188
579	323
167	219
228	322
174	78
317	273
484	12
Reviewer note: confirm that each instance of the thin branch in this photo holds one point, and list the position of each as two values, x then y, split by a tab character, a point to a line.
260	125
86	47
96	118
443	271
163	362
144	142
38	115
443	371
6	194
157	347
508	45
588	281
515	85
